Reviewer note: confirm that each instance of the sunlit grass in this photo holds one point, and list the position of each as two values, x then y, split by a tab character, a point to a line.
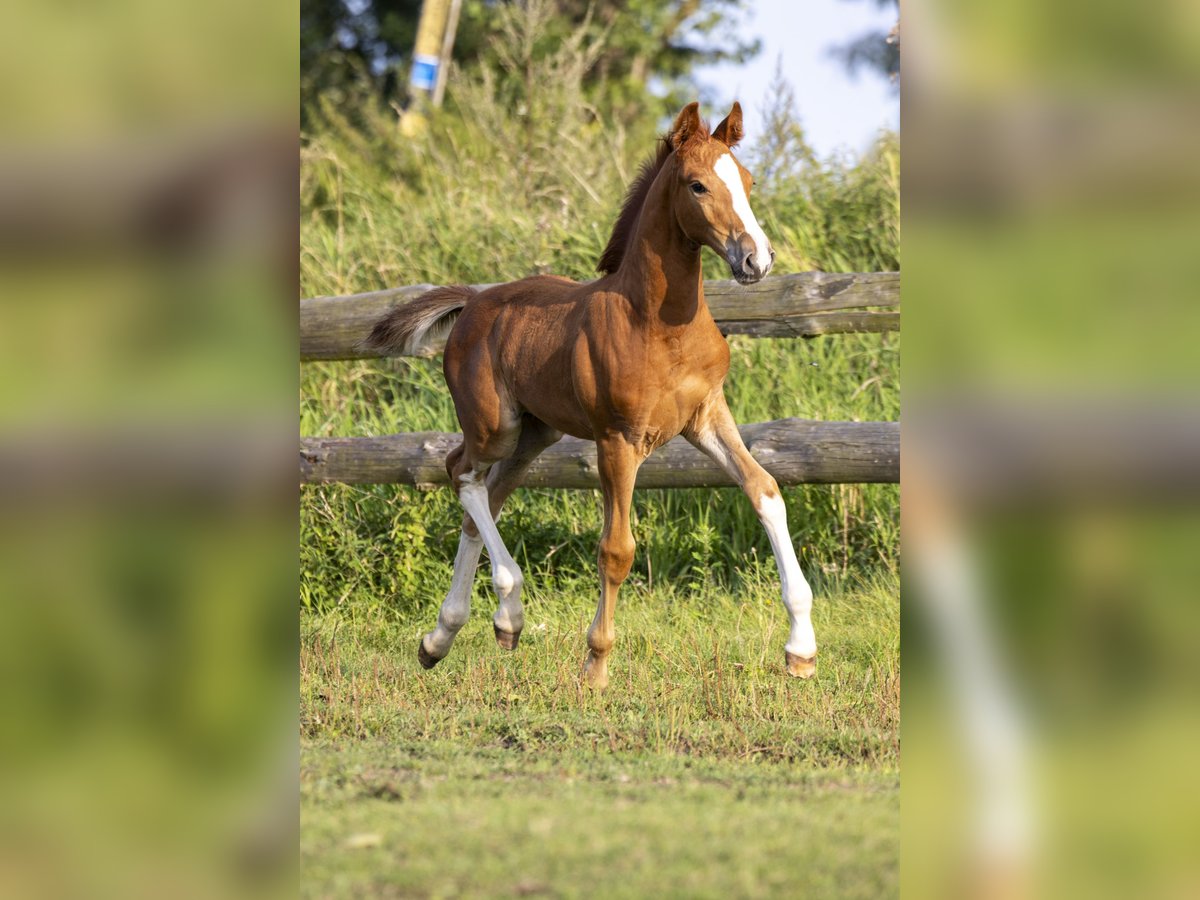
695	671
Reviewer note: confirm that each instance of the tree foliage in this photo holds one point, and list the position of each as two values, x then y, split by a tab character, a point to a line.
876	51
350	47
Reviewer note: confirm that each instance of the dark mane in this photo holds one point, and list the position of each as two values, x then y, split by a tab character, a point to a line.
610	260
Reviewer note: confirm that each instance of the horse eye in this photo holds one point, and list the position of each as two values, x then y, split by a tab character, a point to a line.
698	188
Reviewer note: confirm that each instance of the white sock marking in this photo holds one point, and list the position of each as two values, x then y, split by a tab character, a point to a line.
456	608
506	577
989	713
727	170
797	595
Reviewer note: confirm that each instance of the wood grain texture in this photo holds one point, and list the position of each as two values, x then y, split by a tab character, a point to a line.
801	305
795	451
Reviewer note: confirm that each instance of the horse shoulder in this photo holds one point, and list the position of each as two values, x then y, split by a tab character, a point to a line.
708	349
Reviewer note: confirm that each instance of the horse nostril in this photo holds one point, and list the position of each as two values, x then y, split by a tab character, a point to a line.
748	262
772	255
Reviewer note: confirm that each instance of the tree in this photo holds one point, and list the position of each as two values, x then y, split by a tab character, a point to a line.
348	42
877	51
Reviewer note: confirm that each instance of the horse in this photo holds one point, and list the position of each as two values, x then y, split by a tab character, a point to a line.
628	361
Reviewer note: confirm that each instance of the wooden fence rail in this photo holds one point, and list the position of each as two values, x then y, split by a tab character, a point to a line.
795	451
803	305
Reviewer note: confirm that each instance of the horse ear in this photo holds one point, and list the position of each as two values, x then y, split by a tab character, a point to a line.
729	132
686	124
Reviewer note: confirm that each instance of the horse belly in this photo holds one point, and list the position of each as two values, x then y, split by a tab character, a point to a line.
568	418
543	386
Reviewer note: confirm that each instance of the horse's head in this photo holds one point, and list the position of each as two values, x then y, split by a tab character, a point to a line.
710	193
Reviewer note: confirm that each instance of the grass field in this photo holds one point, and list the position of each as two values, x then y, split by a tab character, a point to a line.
702	771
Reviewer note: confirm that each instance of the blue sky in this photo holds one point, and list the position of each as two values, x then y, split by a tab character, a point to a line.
839	112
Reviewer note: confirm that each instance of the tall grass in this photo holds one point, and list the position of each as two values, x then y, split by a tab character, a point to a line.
517	175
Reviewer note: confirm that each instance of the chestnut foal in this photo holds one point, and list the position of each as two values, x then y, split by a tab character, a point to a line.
630	361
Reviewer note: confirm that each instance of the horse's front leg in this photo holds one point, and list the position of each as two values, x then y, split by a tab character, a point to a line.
618	465
713	430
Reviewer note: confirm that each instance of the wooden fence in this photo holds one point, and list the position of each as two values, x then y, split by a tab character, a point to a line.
795	451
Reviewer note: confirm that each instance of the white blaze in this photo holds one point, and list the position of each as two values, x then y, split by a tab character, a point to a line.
727	170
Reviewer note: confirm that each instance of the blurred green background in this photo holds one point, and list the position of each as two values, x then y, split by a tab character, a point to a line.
1051	438
1050	192
147	522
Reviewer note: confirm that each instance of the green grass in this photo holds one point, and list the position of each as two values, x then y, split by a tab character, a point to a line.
429	820
702	771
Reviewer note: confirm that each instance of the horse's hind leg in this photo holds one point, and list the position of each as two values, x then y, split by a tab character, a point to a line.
456	608
502	478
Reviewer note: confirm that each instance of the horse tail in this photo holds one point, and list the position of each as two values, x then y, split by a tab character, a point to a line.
420	327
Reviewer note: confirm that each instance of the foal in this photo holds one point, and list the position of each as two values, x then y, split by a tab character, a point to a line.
630	361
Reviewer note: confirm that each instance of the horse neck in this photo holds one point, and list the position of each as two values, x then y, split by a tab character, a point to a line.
661	269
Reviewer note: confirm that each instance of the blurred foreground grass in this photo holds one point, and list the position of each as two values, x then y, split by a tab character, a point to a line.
378	819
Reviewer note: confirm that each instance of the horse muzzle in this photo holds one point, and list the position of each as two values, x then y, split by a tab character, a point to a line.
746	262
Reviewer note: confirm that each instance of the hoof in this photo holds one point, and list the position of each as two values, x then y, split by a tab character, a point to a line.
599	684
595	674
800	666
506	639
426	660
